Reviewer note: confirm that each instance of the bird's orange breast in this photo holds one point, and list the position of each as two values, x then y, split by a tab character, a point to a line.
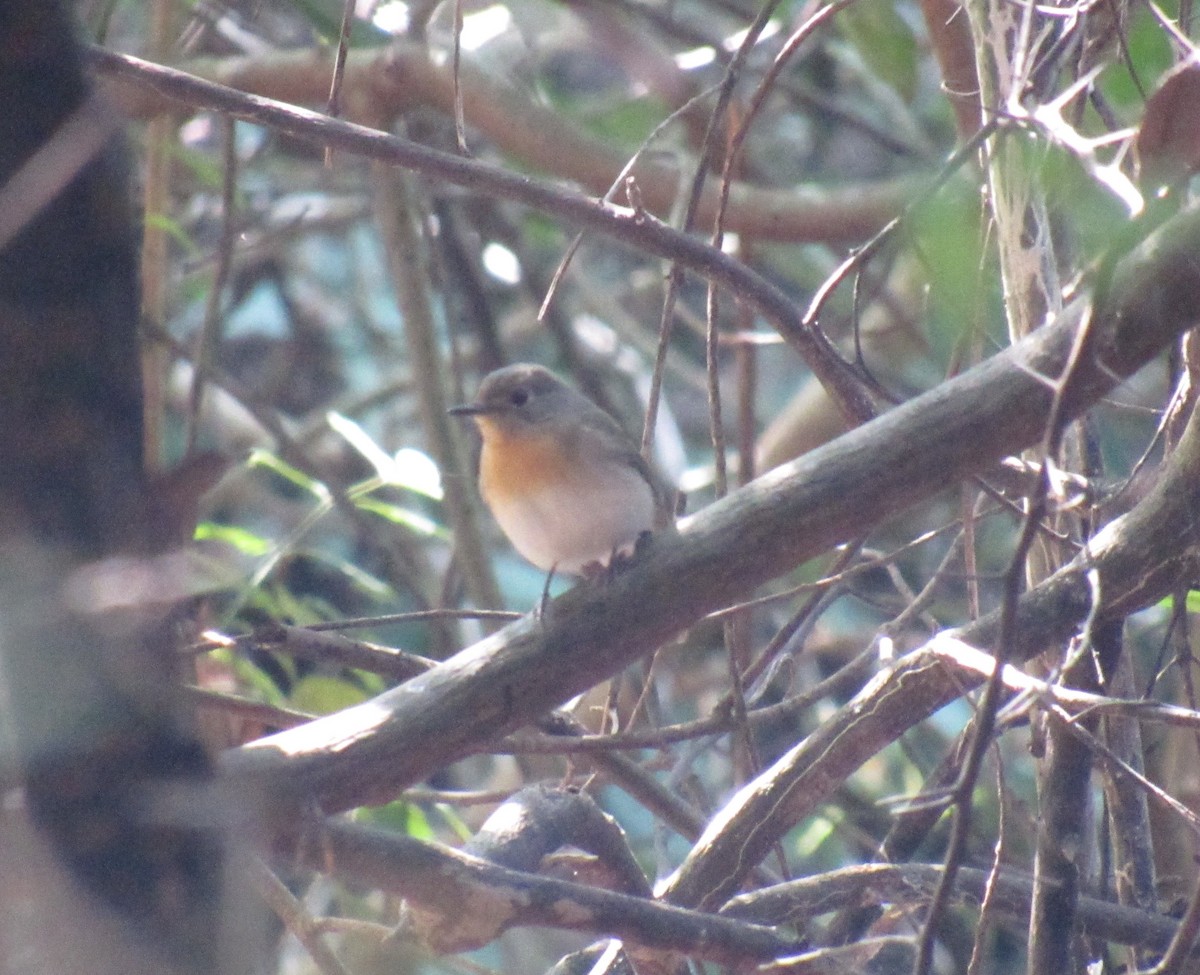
559	505
513	466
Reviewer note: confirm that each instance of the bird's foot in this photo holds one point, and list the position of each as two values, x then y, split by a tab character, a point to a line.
539	611
621	557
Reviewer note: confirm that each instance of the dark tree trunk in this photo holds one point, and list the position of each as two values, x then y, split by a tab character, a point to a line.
90	882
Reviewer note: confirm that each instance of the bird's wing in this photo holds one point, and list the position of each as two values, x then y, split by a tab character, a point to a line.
602	433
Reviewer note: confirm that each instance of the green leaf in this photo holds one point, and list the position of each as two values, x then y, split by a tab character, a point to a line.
418	823
452	819
627	123
363	442
321	694
410	469
269	461
203	167
884	41
300	610
241	539
325	18
1150	54
402	516
414	470
947	237
814	833
362	580
160	221
401	816
251	676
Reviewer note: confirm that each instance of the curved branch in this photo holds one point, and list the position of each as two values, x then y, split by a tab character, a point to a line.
637	228
541	819
378	86
913	883
459	902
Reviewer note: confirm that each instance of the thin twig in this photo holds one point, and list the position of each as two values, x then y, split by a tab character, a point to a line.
975	966
333	107
708	150
210	334
986	715
460	119
354	622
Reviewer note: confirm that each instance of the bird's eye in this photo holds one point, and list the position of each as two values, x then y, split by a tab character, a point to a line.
518	397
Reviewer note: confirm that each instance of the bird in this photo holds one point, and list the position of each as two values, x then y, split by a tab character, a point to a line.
564	481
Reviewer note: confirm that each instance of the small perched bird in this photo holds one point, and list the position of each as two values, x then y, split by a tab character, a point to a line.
565	482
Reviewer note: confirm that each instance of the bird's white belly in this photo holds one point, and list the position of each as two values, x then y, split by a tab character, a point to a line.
571	529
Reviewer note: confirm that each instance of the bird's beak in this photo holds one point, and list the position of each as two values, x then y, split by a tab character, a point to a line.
467	409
